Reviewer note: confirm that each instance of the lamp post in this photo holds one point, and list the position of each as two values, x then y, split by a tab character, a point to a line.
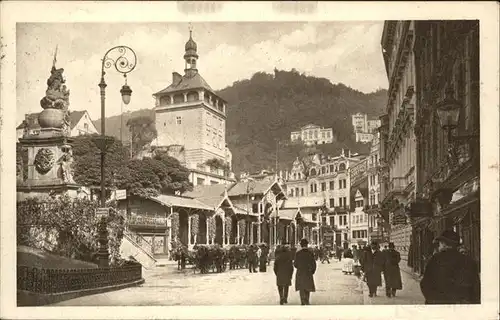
124	60
448	111
249	189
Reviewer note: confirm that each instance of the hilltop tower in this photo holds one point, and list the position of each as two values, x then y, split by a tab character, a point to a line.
191	123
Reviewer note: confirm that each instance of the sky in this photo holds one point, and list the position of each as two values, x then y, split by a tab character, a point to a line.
347	52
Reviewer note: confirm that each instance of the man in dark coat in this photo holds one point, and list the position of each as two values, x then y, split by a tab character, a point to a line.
252	259
373	266
450	277
392	274
306	267
264	253
283	269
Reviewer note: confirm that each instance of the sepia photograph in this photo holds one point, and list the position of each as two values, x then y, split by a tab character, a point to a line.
200	162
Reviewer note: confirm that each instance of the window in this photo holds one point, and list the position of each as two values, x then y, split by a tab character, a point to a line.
332	202
200	181
291	193
213	182
331	168
332	185
302	191
341	166
332	220
340	201
178	120
297	192
314	216
323	220
323	186
345	202
345	220
86	127
255	207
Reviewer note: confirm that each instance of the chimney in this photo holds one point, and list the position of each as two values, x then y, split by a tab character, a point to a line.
176	78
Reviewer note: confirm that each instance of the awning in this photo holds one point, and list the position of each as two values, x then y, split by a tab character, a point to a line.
181	202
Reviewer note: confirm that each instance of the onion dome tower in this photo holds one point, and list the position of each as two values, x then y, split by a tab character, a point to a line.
190	56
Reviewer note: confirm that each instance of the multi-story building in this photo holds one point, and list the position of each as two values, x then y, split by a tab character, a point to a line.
312	134
364	129
377	228
191	123
328	179
359	233
397	133
447	132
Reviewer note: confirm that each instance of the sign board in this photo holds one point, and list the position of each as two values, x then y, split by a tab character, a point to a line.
120	194
102	211
328	238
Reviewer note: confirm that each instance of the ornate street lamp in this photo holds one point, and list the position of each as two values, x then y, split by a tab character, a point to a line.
250	188
448	111
124	60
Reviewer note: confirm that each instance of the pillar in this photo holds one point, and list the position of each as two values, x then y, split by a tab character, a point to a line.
189	230
206	230
259	231
237	232
224	241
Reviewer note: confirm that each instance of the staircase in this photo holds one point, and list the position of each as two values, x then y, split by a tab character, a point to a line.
139	250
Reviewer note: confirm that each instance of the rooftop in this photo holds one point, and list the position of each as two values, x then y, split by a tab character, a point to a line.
186	83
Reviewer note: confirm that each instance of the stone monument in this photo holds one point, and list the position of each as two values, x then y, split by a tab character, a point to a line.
45	166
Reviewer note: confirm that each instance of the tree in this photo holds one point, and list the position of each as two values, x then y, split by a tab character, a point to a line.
146	177
142	130
87	164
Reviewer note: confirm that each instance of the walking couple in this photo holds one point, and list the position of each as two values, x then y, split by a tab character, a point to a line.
305	264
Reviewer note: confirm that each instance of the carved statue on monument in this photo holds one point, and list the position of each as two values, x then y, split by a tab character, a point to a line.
56	101
66	162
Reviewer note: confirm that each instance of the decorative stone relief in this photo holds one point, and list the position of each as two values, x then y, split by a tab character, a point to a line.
44	160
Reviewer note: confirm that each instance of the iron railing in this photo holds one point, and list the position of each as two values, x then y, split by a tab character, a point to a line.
47	281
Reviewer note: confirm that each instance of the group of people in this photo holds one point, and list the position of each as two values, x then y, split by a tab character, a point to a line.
375	262
258	255
450	276
304	261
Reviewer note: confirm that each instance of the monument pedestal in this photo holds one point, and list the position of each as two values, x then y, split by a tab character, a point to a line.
46	166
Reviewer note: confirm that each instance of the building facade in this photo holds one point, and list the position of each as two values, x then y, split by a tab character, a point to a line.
377	227
327	181
191	119
364	129
447	152
397	132
312	134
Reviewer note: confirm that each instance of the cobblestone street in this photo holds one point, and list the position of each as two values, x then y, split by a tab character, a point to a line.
165	286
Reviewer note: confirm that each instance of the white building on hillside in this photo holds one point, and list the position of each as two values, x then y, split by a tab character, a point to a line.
312	134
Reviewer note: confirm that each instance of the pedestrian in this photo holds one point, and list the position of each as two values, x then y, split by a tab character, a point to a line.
324	255
373	266
283	269
263	258
355	254
348	267
338	253
392	274
252	258
450	277
306	267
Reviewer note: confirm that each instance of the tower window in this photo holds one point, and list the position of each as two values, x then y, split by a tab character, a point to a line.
178	120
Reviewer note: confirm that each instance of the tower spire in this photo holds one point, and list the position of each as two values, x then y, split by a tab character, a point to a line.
190	55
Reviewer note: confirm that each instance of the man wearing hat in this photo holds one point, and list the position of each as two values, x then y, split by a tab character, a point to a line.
450	277
373	265
392	274
306	267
